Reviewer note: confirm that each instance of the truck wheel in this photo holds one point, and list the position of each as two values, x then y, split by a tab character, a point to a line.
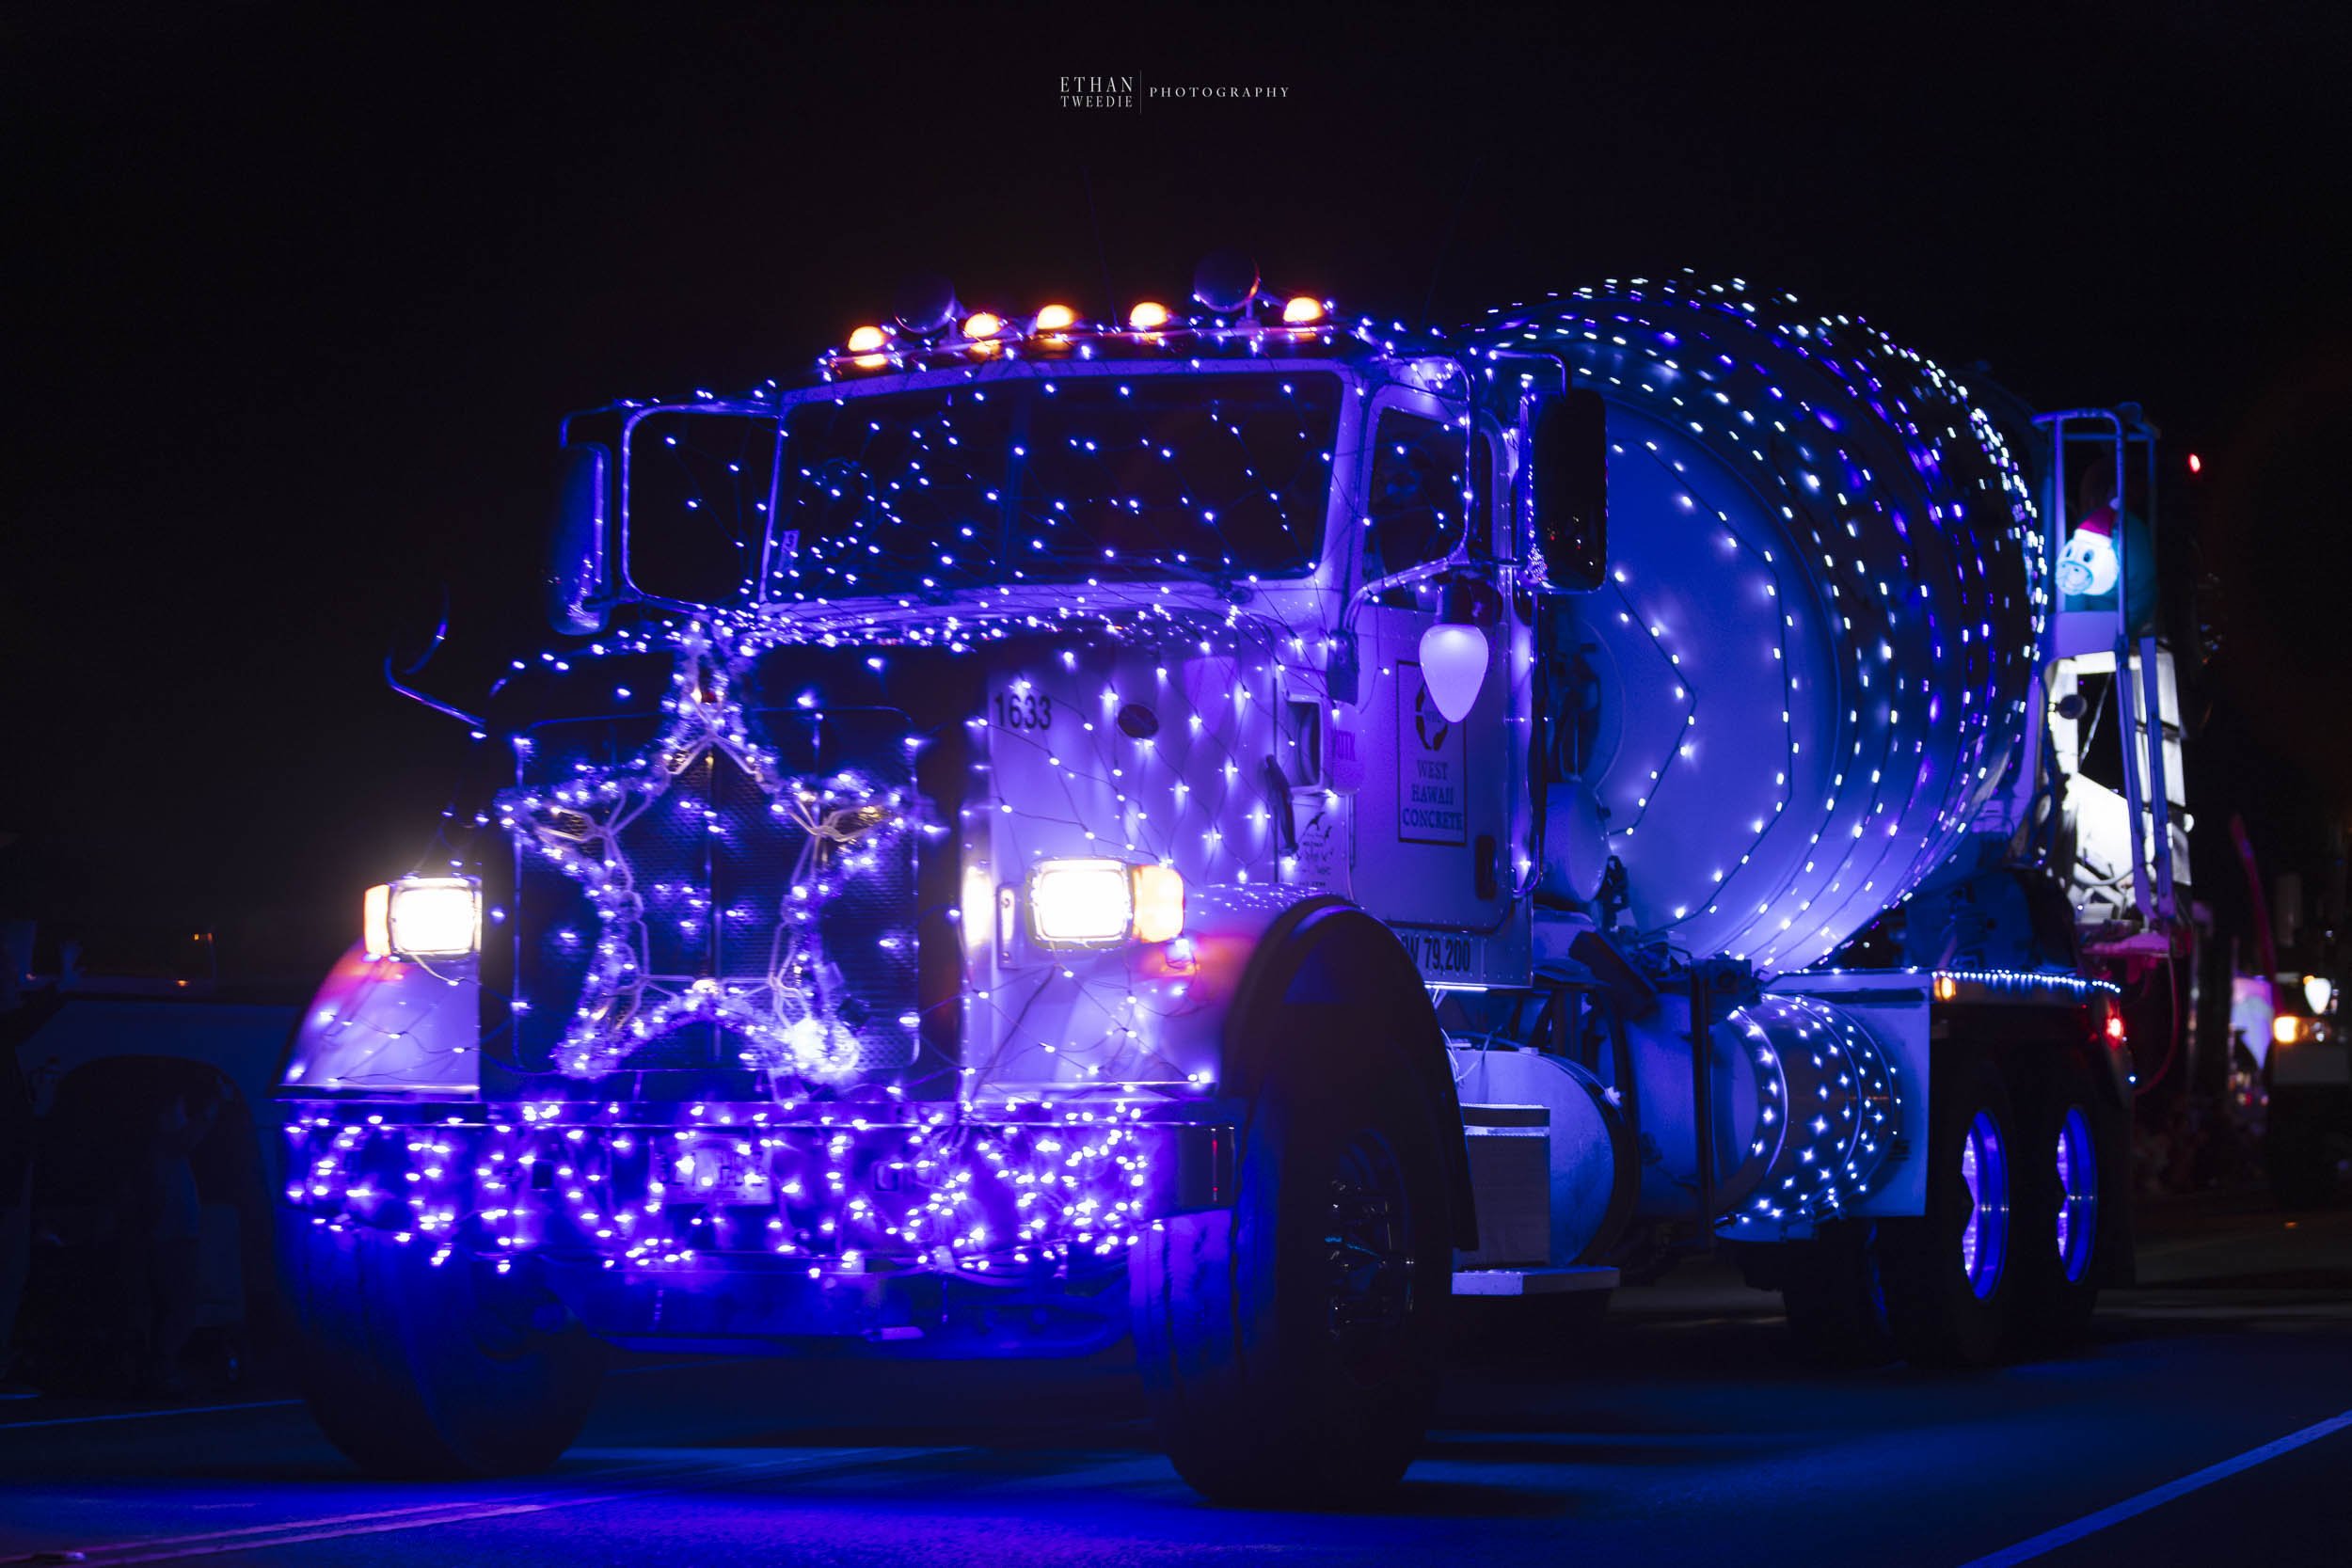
1834	1299
1951	1284
415	1371
2064	1221
1290	1347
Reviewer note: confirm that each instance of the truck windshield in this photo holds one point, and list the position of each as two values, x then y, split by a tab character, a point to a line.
1105	476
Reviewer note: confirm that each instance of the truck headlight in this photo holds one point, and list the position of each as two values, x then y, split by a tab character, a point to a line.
1096	902
422	917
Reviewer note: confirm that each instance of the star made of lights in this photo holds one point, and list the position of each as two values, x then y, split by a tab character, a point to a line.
787	1017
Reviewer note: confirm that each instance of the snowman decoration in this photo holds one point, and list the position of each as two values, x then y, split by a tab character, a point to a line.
2087	567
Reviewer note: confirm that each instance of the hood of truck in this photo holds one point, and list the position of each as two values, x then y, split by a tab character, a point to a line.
1171	739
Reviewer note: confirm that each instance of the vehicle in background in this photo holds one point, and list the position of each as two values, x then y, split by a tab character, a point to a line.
2306	1077
151	1229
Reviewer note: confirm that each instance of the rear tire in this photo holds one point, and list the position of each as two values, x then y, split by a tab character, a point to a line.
1835	1298
1290	1347
1951	1275
414	1370
2066	1213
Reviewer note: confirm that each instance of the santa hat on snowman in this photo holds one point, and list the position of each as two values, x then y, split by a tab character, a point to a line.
2088	567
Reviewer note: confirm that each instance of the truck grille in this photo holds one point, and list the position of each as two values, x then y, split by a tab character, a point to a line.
730	887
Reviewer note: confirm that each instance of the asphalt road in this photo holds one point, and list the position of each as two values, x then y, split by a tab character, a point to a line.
1682	1431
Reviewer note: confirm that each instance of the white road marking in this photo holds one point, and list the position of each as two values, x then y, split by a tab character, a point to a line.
651	1471
2091	1523
660	1481
143	1415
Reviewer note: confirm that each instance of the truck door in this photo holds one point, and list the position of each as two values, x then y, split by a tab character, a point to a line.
1433	818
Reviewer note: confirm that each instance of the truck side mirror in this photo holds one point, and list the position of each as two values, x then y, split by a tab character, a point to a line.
1566	488
576	543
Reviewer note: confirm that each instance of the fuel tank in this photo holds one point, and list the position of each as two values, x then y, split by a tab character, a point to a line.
1808	665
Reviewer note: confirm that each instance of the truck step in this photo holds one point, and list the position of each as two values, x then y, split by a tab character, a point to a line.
1532	1282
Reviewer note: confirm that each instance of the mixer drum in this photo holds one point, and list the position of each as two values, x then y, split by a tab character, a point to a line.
1812	652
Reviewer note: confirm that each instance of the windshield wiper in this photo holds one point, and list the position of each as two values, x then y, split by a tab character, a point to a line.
1141	570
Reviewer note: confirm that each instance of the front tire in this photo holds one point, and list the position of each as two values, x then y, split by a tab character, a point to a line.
425	1371
1290	1347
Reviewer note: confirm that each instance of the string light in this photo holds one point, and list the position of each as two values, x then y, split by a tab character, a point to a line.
788	1017
1828	1109
1037	1186
1155	529
1819	624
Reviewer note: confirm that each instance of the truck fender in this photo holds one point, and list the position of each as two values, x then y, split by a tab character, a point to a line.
398	1026
1321	972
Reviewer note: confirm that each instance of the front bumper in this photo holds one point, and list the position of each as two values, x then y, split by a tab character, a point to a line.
727	1221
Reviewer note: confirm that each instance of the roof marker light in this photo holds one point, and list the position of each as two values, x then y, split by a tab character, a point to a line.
983	324
865	343
1301	310
1055	317
1147	316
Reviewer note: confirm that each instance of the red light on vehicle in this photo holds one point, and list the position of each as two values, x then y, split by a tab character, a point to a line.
2196	464
2115	1028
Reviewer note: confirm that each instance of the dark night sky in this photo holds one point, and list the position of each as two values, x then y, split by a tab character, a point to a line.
298	296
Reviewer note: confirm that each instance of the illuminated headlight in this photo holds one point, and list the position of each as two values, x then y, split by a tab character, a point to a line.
1097	902
422	917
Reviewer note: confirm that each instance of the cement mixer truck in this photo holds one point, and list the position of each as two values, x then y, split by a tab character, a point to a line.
1238	826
